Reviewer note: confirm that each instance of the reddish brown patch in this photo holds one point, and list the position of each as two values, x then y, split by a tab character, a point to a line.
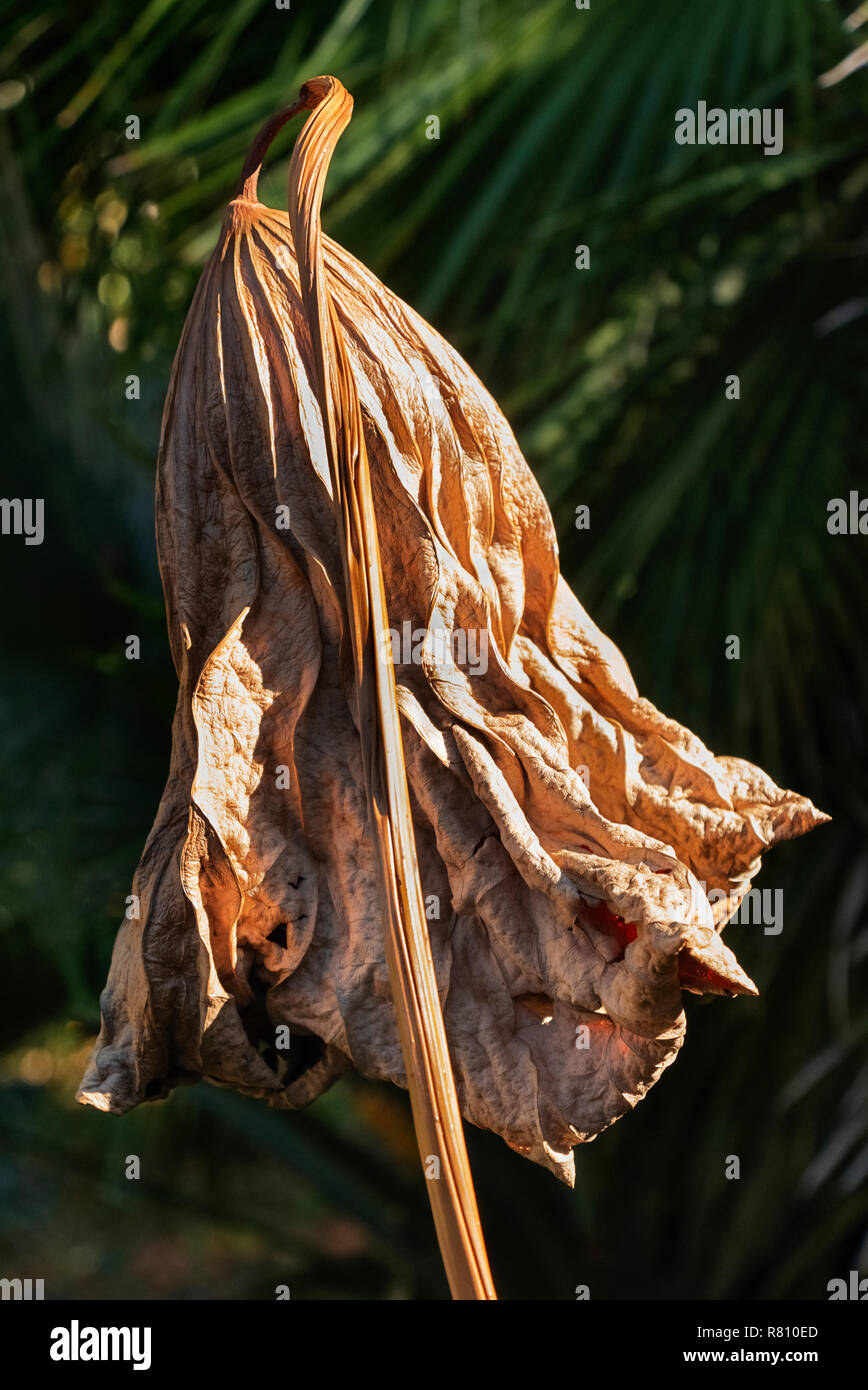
606	921
692	975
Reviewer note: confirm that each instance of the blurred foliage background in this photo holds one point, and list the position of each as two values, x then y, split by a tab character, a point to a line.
708	519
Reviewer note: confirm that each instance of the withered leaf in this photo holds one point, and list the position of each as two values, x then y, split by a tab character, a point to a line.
578	851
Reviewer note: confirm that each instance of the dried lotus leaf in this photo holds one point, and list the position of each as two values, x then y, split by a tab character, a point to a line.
583	850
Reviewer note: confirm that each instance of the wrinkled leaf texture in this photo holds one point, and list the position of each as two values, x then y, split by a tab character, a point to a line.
583	850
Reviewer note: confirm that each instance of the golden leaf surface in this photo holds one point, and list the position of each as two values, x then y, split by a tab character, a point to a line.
578	852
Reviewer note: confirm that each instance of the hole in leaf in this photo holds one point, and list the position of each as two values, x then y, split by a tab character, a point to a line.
278	936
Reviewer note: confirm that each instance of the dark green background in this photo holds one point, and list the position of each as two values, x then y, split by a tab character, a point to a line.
708	519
